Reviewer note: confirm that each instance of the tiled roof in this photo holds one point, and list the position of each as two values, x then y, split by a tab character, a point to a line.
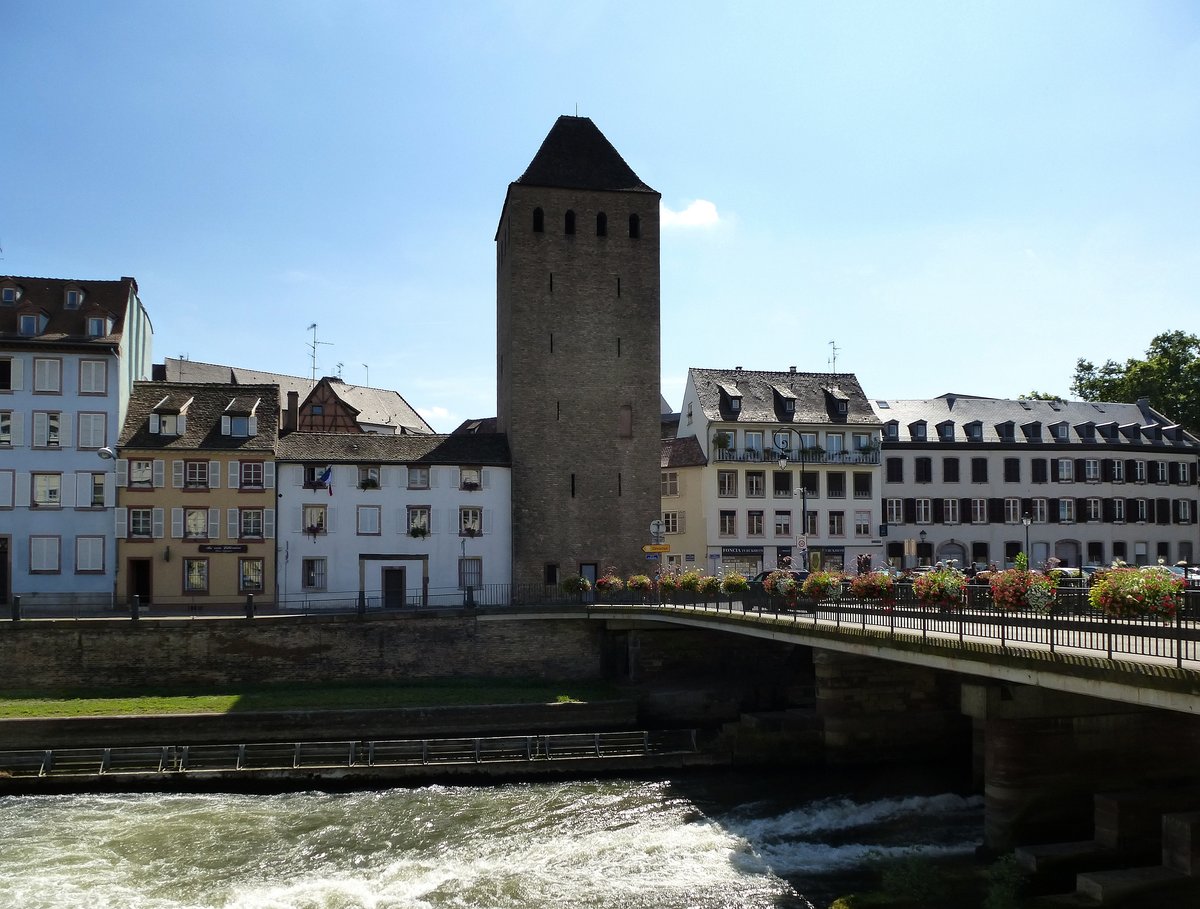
48	296
208	402
685	452
331	447
961	410
377	406
576	155
476	426
763	395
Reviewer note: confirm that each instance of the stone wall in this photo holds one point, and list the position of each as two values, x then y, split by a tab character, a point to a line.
165	653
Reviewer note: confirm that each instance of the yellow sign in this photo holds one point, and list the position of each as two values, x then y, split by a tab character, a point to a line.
657	547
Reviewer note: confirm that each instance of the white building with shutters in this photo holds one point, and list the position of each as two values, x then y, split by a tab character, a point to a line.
196	496
69	354
393	520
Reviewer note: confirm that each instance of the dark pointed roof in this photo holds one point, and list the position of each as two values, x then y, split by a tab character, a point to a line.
576	155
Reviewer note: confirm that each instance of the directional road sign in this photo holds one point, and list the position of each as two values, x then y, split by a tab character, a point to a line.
657	547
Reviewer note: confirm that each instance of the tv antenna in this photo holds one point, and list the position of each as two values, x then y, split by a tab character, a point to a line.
366	376
339	369
312	346
833	349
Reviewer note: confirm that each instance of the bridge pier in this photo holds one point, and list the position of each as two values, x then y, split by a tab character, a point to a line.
1046	754
875	710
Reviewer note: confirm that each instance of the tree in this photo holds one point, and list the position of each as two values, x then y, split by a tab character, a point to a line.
1039	396
1169	376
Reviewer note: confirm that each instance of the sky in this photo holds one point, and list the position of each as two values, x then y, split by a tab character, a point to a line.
955	197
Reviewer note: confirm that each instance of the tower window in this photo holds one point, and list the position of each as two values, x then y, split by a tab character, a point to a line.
601	225
569	225
635	227
539	221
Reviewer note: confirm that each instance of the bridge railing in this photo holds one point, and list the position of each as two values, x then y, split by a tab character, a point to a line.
1070	624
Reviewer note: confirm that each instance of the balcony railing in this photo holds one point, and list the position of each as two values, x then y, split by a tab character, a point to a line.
769	456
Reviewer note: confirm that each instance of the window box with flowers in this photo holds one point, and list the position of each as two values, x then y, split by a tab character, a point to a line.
821	585
941	589
1016	588
639	585
609	585
874	586
735	583
577	586
1134	592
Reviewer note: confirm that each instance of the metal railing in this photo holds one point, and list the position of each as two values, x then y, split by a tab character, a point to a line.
1070	624
357	754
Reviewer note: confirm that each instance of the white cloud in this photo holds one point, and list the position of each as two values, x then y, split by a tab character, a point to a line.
700	213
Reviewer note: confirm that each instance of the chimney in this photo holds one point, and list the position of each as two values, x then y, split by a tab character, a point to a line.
791	369
291	419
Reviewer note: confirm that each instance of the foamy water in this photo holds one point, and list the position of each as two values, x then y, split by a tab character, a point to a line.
612	843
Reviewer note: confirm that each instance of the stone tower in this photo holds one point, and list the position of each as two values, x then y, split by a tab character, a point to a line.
577	366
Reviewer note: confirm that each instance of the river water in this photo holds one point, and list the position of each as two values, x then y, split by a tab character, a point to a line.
697	841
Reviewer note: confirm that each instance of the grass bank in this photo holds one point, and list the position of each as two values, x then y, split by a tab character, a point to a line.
16	704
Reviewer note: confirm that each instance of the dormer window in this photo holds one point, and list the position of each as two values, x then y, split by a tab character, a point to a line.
946	432
1005	431
167	424
789	405
28	325
891	431
1032	430
735	403
1061	431
97	327
74	299
843	407
8	295
916	431
974	431
1087	431
239	426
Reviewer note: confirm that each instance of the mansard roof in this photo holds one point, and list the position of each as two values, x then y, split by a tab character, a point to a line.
1091	423
763	397
576	155
489	449
47	296
203	405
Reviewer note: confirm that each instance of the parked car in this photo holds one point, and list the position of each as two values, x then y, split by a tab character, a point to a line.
756	582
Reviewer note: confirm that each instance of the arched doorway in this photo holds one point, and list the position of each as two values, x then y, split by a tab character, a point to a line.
952	555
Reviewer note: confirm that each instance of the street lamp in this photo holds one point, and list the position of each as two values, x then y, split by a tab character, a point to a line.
1026	520
922	535
110	454
783	465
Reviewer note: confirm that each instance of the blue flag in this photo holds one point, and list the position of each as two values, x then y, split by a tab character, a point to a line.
327	479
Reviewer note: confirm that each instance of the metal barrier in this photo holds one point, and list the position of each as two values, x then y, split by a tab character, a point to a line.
284	756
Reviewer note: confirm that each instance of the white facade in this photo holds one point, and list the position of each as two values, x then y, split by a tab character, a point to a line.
825	495
361	540
63	396
1098	481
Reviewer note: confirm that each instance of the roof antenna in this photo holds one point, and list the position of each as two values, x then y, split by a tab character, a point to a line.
367	376
833	357
313	344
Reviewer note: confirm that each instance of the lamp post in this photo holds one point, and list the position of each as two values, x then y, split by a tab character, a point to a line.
922	535
1026	520
783	465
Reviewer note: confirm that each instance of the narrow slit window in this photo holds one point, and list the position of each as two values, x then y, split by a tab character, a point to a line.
539	221
635	227
601	225
572	486
569	222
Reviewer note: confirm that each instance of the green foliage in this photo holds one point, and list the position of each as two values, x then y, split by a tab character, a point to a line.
576	584
873	585
735	583
821	585
710	585
1039	396
1169	376
1017	588
640	583
913	879
1005	881
1133	592
1022	561
942	589
690	581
